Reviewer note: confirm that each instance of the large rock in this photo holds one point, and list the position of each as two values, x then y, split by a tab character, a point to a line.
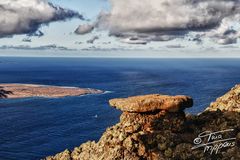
158	134
151	103
228	102
165	143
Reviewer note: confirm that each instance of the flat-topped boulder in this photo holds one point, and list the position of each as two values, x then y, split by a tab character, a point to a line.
151	103
228	102
32	90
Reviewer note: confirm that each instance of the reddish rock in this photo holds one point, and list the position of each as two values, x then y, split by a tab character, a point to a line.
150	132
151	103
228	102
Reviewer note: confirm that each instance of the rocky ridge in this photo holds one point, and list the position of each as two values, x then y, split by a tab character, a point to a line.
228	102
151	103
155	127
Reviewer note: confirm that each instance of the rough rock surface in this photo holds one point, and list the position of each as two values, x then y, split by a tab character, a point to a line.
161	135
229	102
151	103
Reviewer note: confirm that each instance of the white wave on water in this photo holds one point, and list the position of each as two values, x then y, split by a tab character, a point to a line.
107	92
66	87
43	85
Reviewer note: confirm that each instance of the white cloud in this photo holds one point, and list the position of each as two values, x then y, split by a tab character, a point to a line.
26	16
163	20
225	33
93	39
84	29
133	41
43	47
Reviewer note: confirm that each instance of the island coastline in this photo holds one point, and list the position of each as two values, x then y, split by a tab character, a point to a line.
15	90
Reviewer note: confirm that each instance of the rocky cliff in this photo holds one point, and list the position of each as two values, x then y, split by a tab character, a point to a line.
155	127
228	102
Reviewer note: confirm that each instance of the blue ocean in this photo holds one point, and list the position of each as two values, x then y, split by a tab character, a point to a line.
33	128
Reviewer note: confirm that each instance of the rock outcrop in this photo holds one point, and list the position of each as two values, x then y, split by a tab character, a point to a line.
228	102
151	103
155	127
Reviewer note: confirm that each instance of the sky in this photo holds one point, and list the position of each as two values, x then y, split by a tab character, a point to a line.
113	28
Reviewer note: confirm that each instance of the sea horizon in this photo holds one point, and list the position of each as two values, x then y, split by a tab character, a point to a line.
46	126
119	79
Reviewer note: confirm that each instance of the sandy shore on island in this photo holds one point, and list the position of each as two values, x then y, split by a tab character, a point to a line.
33	90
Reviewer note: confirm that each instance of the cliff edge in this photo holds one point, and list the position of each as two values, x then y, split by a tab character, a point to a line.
155	127
228	102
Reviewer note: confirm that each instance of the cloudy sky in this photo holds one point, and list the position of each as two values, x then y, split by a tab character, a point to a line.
120	28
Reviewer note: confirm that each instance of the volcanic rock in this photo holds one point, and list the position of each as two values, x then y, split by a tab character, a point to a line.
228	102
151	103
157	133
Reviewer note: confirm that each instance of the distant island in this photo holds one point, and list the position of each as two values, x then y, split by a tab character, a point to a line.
33	90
